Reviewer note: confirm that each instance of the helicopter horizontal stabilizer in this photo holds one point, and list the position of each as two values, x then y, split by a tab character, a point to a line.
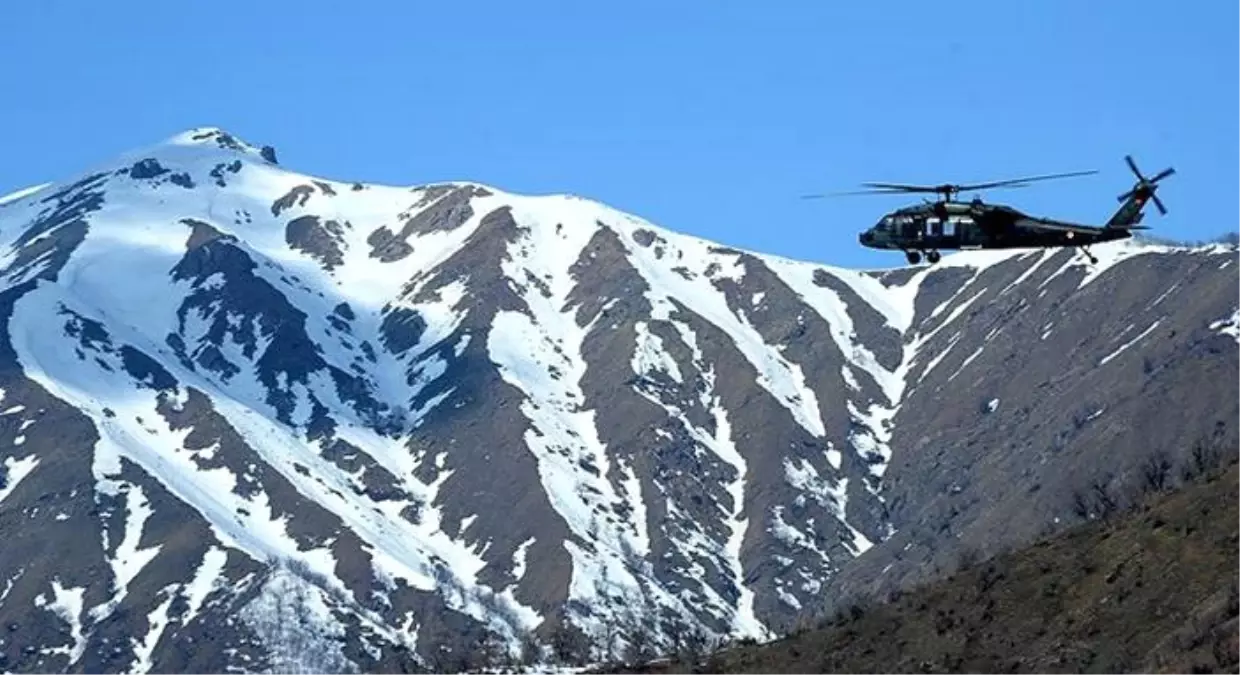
1122	221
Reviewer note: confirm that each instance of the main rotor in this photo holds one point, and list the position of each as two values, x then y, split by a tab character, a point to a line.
947	190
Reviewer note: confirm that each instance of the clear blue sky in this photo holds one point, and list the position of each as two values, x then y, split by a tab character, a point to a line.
706	117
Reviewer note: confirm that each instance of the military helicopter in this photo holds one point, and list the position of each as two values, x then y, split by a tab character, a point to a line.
945	224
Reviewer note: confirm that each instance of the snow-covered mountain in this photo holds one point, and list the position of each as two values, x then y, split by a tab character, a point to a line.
257	420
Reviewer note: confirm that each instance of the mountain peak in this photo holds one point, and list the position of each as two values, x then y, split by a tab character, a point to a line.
210	136
215	138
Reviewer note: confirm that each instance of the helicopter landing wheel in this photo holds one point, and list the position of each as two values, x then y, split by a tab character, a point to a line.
932	257
913	257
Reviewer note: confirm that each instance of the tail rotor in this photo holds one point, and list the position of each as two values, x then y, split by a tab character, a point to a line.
1146	187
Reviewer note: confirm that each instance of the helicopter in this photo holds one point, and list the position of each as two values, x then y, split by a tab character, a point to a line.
946	224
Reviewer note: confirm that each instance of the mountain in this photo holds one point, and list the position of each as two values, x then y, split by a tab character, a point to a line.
1150	590
258	420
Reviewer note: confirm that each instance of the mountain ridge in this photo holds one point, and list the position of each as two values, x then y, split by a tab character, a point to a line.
438	412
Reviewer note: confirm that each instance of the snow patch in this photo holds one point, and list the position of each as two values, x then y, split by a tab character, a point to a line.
650	355
1228	325
15	470
67	604
1128	344
128	560
22	193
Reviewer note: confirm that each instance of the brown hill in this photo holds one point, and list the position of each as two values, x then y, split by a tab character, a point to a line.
1153	589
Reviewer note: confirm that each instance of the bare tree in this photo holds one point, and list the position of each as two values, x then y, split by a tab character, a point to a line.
1096	501
1205	457
1082	505
1104	500
1156	472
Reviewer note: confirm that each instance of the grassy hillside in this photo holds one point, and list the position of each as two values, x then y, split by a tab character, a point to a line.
1152	589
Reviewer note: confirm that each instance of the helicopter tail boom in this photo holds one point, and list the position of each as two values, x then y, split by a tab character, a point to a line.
1123	221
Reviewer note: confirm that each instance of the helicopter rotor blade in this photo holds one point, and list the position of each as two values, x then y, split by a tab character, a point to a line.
1022	182
900	187
1158	202
1162	174
953	188
852	193
948	190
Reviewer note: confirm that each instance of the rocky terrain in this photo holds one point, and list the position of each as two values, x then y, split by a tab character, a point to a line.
258	420
1150	587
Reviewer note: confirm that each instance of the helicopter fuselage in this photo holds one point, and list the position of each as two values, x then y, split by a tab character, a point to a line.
972	225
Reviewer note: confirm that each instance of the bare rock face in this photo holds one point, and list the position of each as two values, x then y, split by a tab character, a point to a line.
258	420
1042	389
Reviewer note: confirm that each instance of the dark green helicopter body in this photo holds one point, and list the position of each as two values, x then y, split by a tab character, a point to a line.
951	225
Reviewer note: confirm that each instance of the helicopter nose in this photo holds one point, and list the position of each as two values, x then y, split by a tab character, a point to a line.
866	237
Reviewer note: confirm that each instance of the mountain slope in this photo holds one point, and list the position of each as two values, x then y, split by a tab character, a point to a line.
1046	387
261	420
1153	590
